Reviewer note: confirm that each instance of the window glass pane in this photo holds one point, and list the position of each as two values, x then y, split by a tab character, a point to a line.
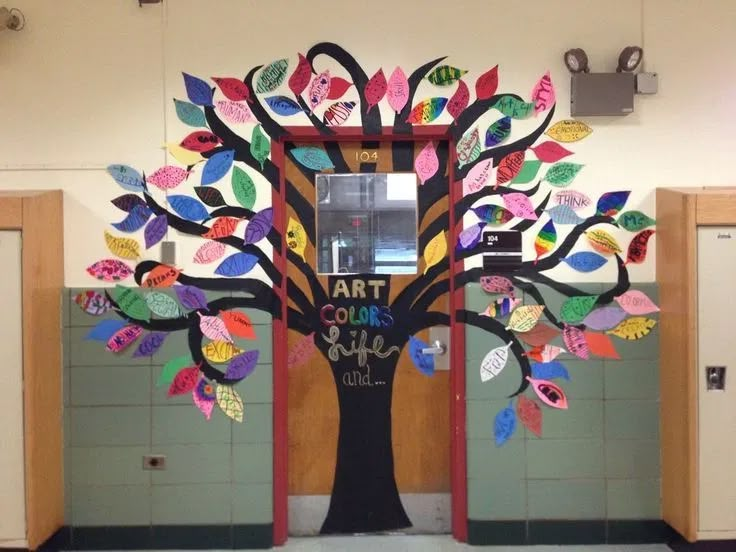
367	223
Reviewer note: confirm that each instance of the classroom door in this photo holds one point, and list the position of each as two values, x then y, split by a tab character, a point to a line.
368	286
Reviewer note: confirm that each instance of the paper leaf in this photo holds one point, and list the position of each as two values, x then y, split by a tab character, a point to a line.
562	174
203	397
530	415
459	100
423	363
497	284
209	195
633	221
478	177
427	163
375	89
550	152
568	130
168	177
296	237
260	146
191	297
123	338
183	155
498	132
220	352
161	276
244	188
528	171
636	302
487	84
155	230
259	226
235	113
525	318
213	328
125	248
238	324
544	353
562	214
573	199
585	261
397	90
575	309
445	75
504	425
550	394
109	270
237	264
604	318
132	303
190	114
185	381
543	94
299	79
426	111
283	106
501	307
601	345
575	341
230	402
338	88
217	167
338	113
637	252
469	237
200	141
494	362
434	251
134	221
301	351
105	329
162	305
150	344
603	242
242	366
232	88
172	367
549	371
633	328
545	240
514	108
312	158
199	92
539	335
468	147
127	202
221	228
188	208
610	203
520	205
495	215
92	302
272	75
509	167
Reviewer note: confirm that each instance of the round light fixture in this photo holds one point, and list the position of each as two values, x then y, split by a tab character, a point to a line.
576	60
629	59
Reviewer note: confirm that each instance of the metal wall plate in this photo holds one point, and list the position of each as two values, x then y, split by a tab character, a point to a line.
441	334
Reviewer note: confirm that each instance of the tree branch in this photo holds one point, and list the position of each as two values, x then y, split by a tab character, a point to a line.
270	126
430	295
464	205
297	322
428	320
296	294
415	79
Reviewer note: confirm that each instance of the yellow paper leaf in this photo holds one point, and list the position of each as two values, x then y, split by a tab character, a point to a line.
568	130
435	251
633	328
603	242
125	248
296	237
230	402
184	156
220	351
525	318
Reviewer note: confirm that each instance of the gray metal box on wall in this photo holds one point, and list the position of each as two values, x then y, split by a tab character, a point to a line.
602	94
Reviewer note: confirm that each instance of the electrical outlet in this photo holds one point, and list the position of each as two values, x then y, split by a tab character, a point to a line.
154	462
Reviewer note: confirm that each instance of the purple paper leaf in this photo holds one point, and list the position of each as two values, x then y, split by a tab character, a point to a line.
259	226
470	237
191	297
150	344
242	366
155	230
127	202
604	318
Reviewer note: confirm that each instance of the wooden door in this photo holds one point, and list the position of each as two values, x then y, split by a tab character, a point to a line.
361	413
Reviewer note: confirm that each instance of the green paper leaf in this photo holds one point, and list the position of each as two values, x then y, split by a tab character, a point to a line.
132	303
528	171
516	109
260	145
244	188
190	114
172	367
445	75
272	76
574	309
562	174
163	305
633	221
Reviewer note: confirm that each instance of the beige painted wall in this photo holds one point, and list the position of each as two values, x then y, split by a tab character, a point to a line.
91	82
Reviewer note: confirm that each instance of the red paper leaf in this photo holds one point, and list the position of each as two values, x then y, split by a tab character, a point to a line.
233	89
299	79
200	141
222	227
338	87
550	152
487	83
375	89
459	100
509	167
161	276
539	335
238	324
550	393
530	414
601	345
574	339
185	381
638	247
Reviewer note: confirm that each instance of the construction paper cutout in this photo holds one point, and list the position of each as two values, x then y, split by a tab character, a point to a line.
375	89
233	89
296	237
161	276
434	251
494	362
550	394
200	141
338	87
585	261
530	414
459	100
188	208
168	177
501	307
190	114
520	205
237	264
185	381
633	328
636	302
155	230
150	344
423	363
135	220
601	345
238	324
92	302
426	111
498	132
575	341
469	237
105	329
125	248
603	242
312	158
479	176
509	167
282	105
549	371
545	240
573	199
123	338
514	108
637	252
468	147
183	155
132	303
504	425
128	201
209	195
568	130
230	402
299	79
397	90
528	171
610	203
445	75
198	91
235	113
550	152
543	94
272	76
544	353
562	214
539	335
191	297
302	351
525	318
109	270
487	84
213	328
220	352
244	188
562	174
338	113
575	309
497	284
260	146
203	397
221	228
242	366
494	215
604	318
633	221
427	163
162	305
259	226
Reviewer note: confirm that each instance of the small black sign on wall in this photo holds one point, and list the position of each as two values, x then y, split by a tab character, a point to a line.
501	251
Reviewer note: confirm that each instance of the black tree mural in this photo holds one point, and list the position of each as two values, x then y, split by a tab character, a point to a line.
508	182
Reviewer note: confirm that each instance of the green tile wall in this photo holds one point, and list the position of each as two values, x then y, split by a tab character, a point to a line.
597	460
218	471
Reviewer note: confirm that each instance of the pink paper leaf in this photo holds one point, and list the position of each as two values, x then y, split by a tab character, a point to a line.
426	163
543	94
520	205
636	302
398	90
550	393
235	113
319	89
478	177
168	177
459	100
214	328
209	252
575	342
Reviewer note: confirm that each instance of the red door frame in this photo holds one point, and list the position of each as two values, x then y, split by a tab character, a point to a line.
458	456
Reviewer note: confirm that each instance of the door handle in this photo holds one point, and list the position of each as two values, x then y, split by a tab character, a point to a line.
438	348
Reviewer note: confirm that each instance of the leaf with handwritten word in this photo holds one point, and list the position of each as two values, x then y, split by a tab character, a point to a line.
238	324
299	79
426	164
550	370
544	353
125	248
562	174
127	202
200	141
183	155
312	158
135	220
259	226
633	328
550	394
150	344
190	114
479	176
539	335
209	195
233	89
397	91
568	130
495	215
167	177
575	309
199	92
573	199
155	230
469	237
637	252
504	425
520	205
162	305
123	338
423	363
172	367
603	242
220	352
509	167
426	111
545	240
301	352
636	302
494	362
375	89
260	146
337	113
487	84
243	187
498	132
221	228
610	203
272	75
501	307
242	366
601	345
530	414
191	297
283	106
296	237
434	251
217	167
213	328
319	89
185	381
127	177
525	318
585	261
445	75
550	152
459	100
604	318
497	284
543	94
161	276
92	302
237	264
468	147
188	208
338	88
574	340
633	221
109	270
235	113
514	108
230	402
528	171
105	329
132	303
562	214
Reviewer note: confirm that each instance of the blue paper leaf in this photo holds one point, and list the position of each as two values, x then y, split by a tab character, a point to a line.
470	237
156	230
549	370
504	425
281	105
188	208
135	220
105	329
127	177
150	344
191	297
585	261
242	366
259	226
198	91
611	203
312	158
564	214
126	202
237	264
217	167
424	363
498	132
